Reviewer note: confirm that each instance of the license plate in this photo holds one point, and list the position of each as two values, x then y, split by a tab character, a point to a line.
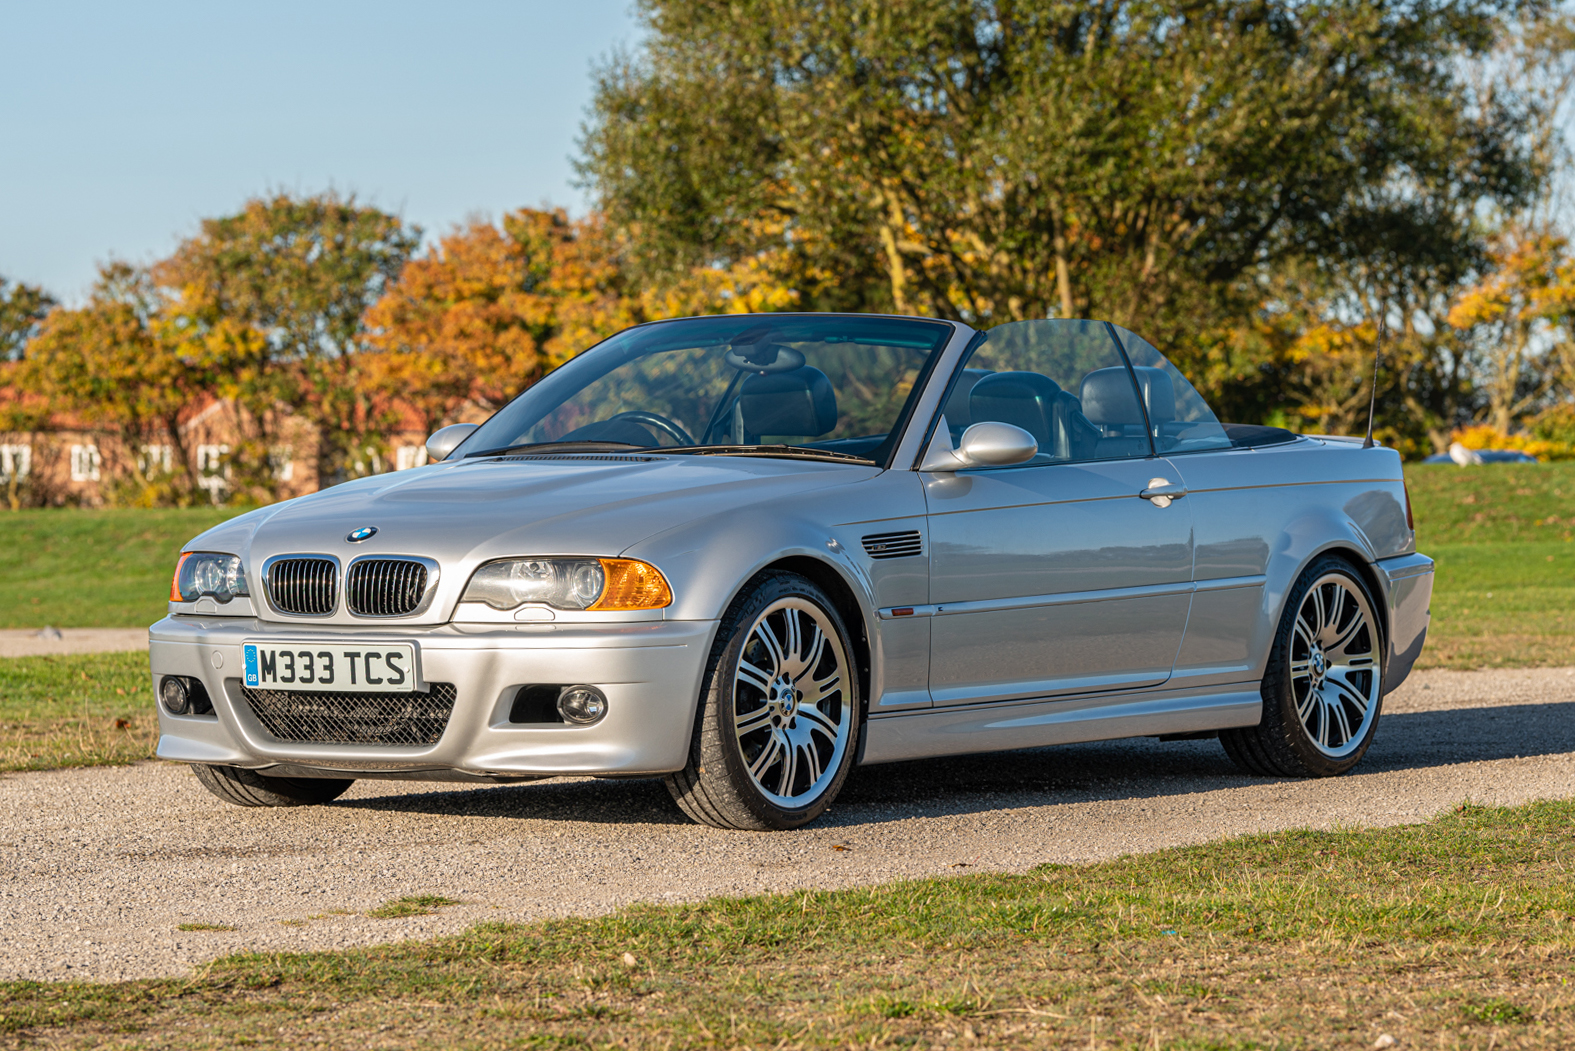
367	668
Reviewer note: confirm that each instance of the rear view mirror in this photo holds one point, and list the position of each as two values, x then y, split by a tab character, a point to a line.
446	439
987	444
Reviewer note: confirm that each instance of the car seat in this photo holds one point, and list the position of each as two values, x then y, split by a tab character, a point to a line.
1038	405
799	403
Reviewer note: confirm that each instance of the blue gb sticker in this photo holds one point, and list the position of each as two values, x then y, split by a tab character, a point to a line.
251	665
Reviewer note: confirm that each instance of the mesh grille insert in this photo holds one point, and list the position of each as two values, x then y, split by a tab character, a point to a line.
892	545
303	586
385	587
354	718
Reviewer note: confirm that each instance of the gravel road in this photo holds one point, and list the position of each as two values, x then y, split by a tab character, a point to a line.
98	867
43	642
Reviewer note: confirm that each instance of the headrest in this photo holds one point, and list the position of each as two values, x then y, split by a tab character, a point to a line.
799	403
1023	399
1108	398
1159	394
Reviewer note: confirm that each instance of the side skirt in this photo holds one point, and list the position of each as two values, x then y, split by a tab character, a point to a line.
1032	724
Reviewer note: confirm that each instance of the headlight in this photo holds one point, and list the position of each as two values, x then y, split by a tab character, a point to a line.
570	583
201	574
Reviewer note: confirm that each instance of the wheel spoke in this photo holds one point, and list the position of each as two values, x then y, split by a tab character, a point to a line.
789	768
818	720
811	761
1306	706
1346	637
1344	686
1323	719
1316	596
752	721
1301	669
769	639
793	643
817	647
753	676
1341	720
767	755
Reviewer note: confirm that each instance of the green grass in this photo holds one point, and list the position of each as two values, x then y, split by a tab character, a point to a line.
416	905
1504	595
93	569
1459	933
90	709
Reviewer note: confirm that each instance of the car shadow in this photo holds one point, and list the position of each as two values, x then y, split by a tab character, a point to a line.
1137	768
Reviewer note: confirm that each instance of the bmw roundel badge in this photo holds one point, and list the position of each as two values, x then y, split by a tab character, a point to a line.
364	533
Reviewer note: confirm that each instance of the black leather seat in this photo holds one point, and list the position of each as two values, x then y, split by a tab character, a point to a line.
1038	405
1111	405
799	403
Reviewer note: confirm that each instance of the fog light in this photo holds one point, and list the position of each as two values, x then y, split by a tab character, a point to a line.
582	704
172	691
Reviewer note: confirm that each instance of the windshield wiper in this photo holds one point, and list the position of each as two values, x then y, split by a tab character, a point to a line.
581	447
767	450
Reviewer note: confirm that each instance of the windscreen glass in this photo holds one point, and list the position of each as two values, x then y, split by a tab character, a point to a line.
831	383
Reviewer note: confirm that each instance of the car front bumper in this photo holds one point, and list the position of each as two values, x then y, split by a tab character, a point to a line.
650	672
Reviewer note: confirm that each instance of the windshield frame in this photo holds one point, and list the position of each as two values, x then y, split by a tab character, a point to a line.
941	351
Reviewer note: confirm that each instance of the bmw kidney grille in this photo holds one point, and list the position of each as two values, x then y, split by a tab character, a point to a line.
306	587
385	587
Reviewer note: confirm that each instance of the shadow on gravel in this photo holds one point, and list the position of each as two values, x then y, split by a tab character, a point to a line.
1109	770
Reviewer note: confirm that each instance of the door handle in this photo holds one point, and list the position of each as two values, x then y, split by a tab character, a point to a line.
1161	491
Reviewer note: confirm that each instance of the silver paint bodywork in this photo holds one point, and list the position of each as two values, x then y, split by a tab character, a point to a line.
1050	604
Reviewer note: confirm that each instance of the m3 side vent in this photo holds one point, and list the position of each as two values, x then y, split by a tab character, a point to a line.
306	587
893	545
385	587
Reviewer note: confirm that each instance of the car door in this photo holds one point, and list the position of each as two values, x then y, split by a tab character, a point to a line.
1056	576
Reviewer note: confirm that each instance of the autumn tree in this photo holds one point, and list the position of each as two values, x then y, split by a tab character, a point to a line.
492	308
121	368
1142	161
300	271
22	307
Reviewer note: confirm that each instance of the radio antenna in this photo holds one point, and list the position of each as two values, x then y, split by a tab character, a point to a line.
1372	402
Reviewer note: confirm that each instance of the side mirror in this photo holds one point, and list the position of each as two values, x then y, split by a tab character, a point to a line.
445	440
988	444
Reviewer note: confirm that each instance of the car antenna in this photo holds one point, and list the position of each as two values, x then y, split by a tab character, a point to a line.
1372	402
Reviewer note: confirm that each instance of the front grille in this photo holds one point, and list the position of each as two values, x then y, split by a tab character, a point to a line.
385	587
892	545
303	586
354	718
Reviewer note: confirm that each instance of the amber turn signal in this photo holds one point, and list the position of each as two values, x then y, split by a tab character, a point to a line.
175	580
632	585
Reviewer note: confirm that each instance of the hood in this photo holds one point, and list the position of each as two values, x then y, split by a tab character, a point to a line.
464	513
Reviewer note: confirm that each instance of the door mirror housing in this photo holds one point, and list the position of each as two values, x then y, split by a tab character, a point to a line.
987	444
445	440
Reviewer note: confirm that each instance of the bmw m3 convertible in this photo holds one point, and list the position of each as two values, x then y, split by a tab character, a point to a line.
749	553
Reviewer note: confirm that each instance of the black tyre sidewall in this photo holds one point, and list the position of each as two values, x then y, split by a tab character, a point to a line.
723	712
1277	687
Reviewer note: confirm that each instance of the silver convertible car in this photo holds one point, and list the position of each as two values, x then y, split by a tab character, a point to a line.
747	553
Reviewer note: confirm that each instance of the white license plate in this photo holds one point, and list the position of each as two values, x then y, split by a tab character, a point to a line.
382	667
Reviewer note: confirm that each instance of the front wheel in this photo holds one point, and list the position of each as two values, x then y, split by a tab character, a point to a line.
249	788
779	712
1323	687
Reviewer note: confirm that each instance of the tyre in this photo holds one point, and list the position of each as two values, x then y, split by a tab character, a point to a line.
249	788
1323	686
779	712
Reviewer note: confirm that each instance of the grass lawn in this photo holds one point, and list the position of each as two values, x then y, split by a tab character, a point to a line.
93	569
77	710
1459	933
1504	538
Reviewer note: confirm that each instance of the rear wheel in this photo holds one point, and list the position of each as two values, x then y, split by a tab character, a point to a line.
1323	687
779	712
249	788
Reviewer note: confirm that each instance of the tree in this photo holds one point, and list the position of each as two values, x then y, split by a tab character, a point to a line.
301	271
490	309
120	368
22	307
989	160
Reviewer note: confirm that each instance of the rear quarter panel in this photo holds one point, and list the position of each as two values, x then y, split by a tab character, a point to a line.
1260	516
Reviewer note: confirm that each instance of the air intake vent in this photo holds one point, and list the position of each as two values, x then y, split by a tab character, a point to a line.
402	719
566	458
892	545
303	586
385	587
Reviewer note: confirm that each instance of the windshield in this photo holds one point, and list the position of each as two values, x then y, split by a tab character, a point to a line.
816	383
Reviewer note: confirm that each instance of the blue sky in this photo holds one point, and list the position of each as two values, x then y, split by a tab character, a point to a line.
122	125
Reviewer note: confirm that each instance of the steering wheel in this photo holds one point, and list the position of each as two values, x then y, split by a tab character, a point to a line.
661	423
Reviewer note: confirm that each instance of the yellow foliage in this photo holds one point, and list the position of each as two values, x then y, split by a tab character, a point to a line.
1485	436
